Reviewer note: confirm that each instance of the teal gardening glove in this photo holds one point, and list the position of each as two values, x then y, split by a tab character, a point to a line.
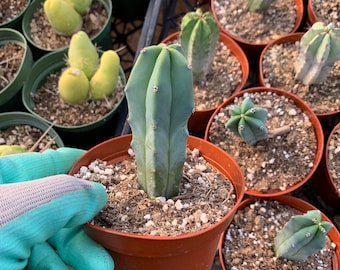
41	220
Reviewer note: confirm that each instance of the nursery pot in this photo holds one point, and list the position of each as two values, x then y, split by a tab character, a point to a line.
253	50
323	179
312	118
83	136
199	119
299	205
9	119
289	38
10	96
188	251
102	38
15	22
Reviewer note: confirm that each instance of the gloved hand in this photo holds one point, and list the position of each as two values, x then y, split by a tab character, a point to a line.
42	210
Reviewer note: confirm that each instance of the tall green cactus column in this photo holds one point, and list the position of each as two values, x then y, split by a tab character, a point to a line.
160	99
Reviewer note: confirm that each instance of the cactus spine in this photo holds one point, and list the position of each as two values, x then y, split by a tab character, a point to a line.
248	122
104	81
82	54
319	50
160	99
198	36
62	16
302	236
257	5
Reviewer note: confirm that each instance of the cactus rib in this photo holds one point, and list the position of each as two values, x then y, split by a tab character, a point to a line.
160	100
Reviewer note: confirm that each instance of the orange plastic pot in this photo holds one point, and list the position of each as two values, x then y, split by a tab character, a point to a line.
301	206
323	179
189	251
311	15
254	49
289	38
313	119
199	119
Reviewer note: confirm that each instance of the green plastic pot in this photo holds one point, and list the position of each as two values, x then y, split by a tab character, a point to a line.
102	38
15	23
10	96
10	119
83	136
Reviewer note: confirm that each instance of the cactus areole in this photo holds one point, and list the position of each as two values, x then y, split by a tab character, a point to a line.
302	236
160	99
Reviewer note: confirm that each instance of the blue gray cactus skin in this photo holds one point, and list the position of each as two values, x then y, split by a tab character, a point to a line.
160	99
258	5
199	36
319	50
248	122
302	236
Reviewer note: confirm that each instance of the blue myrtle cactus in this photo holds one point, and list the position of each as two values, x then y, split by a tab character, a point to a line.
248	122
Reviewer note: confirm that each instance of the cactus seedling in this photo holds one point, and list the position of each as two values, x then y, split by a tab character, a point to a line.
198	36
258	5
302	236
73	86
81	6
11	149
248	122
104	81
62	16
160	99
82	54
319	50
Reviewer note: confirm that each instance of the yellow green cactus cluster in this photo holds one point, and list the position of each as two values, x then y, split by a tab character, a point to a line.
65	16
11	149
88	76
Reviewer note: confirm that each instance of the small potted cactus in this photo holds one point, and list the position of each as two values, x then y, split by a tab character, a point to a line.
208	52
280	233
260	128
78	91
314	71
160	100
254	23
48	25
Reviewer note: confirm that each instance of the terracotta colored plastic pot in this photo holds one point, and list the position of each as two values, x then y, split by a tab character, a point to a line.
323	179
199	119
290	38
299	205
313	119
311	15
189	251
254	49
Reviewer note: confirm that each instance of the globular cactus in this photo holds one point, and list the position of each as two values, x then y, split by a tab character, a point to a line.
11	149
258	5
104	81
82	54
81	6
73	86
319	50
62	16
302	236
160	99
199	36
248	122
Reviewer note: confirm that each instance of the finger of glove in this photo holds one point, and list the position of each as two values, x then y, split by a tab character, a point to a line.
30	166
80	251
31	212
44	257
